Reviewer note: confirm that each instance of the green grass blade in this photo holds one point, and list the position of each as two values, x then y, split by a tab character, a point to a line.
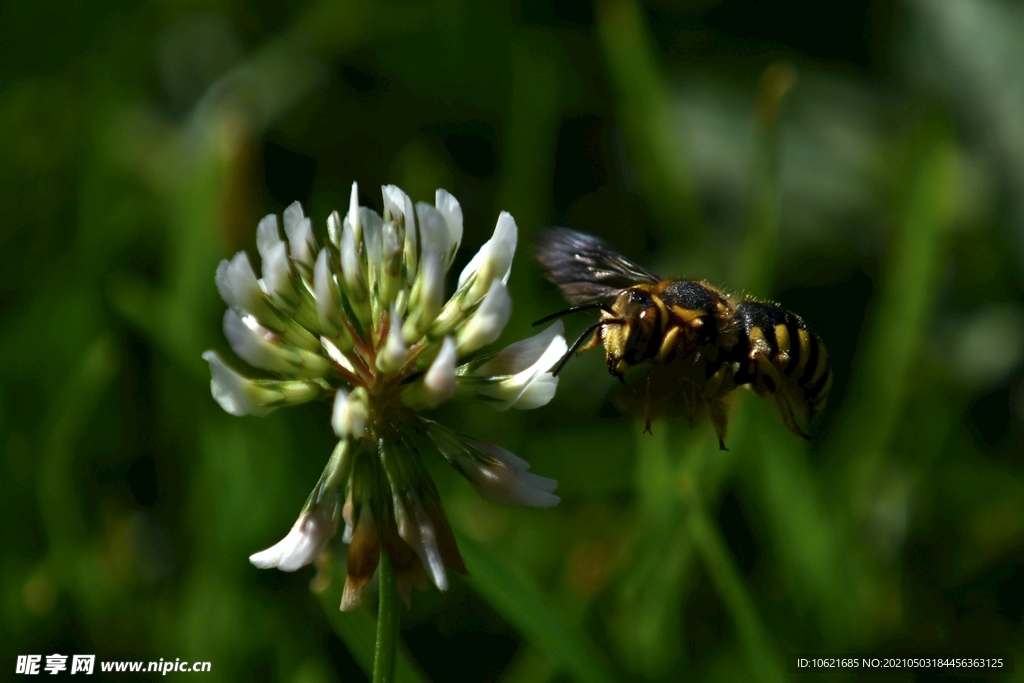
523	604
898	323
758	249
765	665
645	111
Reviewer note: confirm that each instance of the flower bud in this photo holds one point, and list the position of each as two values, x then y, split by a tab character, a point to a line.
501	476
302	246
334	229
267	234
373	226
239	288
433	231
261	348
277	277
352	273
393	355
301	242
293	215
439	381
449	208
391	254
518	376
351	269
306	540
328	299
437	384
488	321
427	297
352	217
496	474
494	260
398	207
351	411
239	395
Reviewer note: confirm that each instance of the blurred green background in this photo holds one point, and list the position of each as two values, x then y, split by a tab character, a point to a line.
862	163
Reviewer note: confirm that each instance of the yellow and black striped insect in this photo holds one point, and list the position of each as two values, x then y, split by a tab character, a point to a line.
699	341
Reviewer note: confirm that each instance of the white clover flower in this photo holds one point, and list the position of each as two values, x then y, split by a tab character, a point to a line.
486	324
362	319
518	376
303	544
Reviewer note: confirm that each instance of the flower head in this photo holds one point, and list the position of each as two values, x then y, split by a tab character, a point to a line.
362	320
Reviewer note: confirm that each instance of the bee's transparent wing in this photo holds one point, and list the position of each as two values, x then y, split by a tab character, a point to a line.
585	268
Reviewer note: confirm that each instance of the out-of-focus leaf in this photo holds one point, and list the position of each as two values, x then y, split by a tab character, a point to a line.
58	495
757	260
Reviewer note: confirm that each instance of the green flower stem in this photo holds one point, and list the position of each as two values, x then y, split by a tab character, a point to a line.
388	612
356	628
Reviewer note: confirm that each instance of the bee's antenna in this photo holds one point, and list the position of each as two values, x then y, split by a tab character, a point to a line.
575	309
576	344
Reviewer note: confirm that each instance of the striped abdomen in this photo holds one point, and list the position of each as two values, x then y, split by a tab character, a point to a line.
796	353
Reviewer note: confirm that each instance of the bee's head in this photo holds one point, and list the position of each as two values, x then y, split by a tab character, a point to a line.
635	340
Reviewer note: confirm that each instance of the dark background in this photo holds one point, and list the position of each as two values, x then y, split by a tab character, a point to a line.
878	195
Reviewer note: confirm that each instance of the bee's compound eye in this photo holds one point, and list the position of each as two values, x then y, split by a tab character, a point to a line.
639	298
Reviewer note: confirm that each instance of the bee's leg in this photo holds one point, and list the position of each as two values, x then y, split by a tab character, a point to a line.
720	418
647	405
718	385
668	346
613	369
591	343
770	385
784	409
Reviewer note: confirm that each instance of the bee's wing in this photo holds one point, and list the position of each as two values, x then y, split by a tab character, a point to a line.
585	268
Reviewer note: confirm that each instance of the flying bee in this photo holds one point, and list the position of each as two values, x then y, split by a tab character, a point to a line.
698	340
